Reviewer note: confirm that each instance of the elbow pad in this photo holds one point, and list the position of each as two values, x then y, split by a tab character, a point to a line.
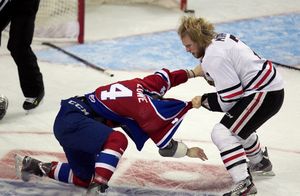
174	149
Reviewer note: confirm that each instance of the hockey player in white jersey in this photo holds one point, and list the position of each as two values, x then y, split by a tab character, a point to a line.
249	90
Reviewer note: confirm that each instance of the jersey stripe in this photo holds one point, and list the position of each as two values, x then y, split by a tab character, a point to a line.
262	78
168	136
268	72
165	76
248	113
229	89
257	75
271	79
232	93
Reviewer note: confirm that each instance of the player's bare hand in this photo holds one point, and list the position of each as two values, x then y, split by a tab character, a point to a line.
196	152
196	101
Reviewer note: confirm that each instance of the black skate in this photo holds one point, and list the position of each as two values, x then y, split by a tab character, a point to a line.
3	106
243	188
264	167
33	102
28	166
96	189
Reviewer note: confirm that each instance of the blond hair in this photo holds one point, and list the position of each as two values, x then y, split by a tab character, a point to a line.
198	29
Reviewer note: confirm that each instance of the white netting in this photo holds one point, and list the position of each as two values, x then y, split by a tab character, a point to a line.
57	19
162	3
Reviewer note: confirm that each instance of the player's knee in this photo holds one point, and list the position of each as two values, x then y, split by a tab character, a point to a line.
18	50
222	137
218	133
116	141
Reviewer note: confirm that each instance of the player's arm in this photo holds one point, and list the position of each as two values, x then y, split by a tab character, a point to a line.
174	78
180	76
228	86
161	81
179	149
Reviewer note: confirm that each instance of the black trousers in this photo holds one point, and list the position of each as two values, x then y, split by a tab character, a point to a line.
246	116
21	15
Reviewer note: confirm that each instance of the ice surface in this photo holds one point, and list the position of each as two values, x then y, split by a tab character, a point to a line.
146	173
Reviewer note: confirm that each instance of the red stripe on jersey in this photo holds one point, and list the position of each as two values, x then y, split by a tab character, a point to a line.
233	157
265	76
234	94
247	113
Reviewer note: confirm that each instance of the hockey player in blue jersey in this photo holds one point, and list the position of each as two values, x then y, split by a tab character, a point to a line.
85	125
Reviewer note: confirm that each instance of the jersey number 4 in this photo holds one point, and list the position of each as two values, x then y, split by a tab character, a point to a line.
115	91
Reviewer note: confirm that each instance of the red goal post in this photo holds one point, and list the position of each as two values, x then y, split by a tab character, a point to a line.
64	19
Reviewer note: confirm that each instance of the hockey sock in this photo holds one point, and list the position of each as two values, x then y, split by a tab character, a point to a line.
63	173
234	159
252	148
231	151
108	158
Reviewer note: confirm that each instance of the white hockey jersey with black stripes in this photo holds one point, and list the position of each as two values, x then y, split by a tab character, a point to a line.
237	71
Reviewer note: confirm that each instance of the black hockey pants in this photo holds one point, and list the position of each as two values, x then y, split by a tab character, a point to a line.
252	111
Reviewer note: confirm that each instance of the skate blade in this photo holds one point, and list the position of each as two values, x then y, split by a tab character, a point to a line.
31	111
264	174
27	112
18	164
93	193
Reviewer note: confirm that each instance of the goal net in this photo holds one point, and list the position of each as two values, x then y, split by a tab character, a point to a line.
162	3
60	20
64	19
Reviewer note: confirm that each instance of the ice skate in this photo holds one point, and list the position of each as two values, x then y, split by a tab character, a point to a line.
33	102
3	106
28	166
96	189
263	168
243	188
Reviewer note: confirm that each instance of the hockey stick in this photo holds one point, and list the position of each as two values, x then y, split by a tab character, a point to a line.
78	58
285	66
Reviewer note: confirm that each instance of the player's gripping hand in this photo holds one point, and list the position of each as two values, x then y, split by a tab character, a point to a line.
196	152
196	102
